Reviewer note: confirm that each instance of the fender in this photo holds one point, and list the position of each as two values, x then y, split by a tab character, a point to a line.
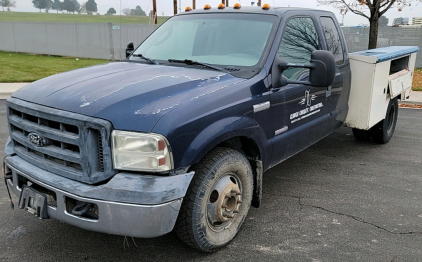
220	131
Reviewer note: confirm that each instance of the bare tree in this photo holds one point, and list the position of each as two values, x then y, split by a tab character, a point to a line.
82	10
299	40
376	9
126	11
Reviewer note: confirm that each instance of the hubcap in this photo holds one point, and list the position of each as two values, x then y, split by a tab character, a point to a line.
224	202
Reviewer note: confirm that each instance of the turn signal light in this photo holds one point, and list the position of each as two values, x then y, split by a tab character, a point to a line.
237	6
221	6
266	7
207	7
188	8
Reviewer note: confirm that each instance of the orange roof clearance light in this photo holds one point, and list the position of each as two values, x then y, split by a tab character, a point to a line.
266	7
207	7
237	6
221	6
188	8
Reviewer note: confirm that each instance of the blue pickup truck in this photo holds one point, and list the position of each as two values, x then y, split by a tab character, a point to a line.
178	136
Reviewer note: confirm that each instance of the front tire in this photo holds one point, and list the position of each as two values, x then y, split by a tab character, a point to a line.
384	130
217	201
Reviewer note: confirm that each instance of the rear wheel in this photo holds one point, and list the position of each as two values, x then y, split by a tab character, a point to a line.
384	130
361	135
217	201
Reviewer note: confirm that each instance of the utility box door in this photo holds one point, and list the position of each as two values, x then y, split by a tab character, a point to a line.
400	82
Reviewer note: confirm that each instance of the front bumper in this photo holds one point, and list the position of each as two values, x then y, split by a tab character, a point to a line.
129	204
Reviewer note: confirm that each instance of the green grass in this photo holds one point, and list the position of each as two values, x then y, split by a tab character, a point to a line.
18	67
74	18
417	80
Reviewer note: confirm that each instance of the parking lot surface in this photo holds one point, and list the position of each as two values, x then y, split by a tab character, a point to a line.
339	200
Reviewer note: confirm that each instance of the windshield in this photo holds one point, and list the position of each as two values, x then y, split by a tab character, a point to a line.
223	39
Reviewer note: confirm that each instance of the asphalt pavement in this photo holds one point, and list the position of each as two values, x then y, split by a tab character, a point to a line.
339	200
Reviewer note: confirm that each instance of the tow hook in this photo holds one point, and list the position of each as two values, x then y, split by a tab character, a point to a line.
81	209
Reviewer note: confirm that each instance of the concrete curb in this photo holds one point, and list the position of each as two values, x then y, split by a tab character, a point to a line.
410	103
6	89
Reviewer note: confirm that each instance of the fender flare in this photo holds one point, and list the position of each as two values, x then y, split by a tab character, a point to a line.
220	131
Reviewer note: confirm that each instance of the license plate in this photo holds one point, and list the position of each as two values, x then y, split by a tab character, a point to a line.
34	202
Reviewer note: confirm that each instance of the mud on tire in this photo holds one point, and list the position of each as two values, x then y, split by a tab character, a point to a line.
217	201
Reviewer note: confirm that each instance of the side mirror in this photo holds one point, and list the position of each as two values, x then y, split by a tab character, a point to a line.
129	49
322	69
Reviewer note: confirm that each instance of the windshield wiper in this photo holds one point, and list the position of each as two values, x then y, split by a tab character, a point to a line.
191	62
151	61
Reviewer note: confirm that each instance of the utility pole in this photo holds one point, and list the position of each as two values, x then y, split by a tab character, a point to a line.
175	6
154	11
259	3
193	4
227	3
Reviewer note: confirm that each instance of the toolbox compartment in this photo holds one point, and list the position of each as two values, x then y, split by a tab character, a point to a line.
378	75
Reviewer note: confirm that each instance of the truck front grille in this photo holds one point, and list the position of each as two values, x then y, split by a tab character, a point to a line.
67	144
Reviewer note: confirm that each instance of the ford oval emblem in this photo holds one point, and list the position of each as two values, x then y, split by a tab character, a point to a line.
37	139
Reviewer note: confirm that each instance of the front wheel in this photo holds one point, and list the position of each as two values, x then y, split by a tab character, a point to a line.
217	201
384	130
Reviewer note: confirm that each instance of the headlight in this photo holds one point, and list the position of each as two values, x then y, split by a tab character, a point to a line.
141	152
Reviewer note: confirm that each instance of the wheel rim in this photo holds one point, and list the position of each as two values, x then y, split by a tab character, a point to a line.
224	202
390	118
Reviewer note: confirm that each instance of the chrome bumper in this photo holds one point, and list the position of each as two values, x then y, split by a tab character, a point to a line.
129	204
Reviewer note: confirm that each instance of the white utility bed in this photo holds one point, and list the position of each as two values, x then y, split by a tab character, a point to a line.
378	75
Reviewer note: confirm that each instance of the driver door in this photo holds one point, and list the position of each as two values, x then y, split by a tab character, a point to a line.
304	109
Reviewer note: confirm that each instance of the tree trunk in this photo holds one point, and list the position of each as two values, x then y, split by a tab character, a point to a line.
373	26
175	7
154	11
373	33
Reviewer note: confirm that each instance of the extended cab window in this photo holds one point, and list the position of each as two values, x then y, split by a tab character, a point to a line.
299	40
333	39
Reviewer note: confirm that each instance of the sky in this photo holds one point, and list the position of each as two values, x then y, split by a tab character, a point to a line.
166	7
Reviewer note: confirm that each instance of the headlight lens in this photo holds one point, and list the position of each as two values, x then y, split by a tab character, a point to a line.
141	152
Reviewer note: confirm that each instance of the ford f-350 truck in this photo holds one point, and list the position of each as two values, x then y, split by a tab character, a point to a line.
179	135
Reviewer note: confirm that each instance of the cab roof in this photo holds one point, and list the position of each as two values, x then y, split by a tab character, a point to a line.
279	11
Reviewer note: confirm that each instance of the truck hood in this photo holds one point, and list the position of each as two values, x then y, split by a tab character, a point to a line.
132	96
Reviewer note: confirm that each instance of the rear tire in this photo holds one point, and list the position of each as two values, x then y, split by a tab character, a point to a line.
217	201
361	135
384	130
